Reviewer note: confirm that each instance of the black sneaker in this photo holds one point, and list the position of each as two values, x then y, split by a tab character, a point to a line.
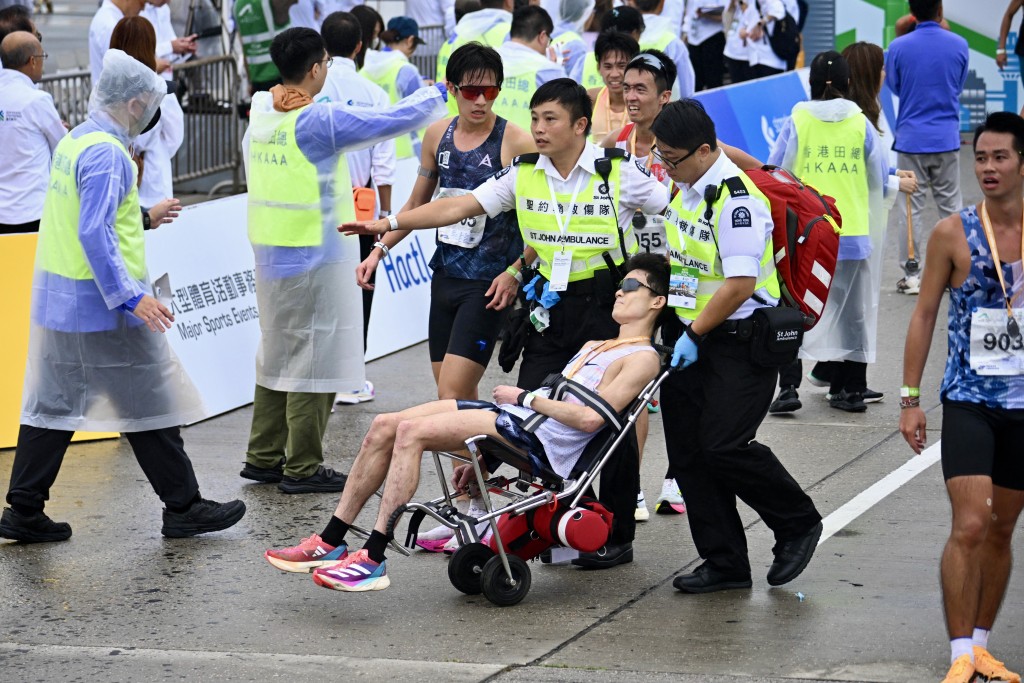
37	528
871	396
202	517
264	475
787	402
324	480
850	402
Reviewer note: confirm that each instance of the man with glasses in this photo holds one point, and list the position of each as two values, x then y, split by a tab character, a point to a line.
31	130
719	229
975	255
526	64
309	307
575	204
617	367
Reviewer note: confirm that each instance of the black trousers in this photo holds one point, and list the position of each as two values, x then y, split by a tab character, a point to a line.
711	412
708	62
40	452
13	228
581	316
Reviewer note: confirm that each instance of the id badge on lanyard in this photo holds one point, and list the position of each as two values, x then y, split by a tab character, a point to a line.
993	350
561	263
682	287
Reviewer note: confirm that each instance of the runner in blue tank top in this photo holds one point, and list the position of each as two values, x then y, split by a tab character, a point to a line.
976	255
476	264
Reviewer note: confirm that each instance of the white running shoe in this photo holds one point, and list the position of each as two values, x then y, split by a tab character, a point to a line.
911	284
641	514
670	502
352	397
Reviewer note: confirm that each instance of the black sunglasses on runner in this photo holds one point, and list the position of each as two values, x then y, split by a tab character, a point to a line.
471	92
631	284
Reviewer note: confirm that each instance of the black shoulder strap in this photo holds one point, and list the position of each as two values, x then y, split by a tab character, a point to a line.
589	398
530	158
615	153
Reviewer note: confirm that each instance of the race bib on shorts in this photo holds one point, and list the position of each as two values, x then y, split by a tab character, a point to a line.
993	350
466	233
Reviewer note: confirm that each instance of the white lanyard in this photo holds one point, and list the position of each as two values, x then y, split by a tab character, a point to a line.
563	227
986	224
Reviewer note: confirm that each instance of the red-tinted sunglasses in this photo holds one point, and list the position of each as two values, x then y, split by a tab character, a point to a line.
471	92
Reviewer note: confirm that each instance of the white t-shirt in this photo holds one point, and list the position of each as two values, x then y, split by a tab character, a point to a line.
160	17
100	30
760	51
697	30
30	130
345	85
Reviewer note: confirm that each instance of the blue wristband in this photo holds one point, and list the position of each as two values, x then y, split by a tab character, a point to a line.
131	303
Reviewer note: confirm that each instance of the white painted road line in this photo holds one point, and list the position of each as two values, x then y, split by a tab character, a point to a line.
866	499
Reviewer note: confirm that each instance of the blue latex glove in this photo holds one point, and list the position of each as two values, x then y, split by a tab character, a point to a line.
443	89
548	298
685	351
530	288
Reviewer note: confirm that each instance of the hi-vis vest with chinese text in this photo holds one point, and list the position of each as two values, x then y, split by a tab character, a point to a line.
831	160
592	230
284	191
692	241
60	250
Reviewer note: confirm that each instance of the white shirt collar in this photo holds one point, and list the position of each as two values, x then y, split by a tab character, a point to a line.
21	78
343	64
720	170
585	162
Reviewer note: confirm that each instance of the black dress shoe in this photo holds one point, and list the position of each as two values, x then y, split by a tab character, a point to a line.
35	528
264	475
607	556
705	579
792	557
324	480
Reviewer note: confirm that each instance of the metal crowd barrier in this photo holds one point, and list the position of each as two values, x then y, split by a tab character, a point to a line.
425	57
207	90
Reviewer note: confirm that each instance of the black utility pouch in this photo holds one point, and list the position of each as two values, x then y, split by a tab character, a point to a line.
778	333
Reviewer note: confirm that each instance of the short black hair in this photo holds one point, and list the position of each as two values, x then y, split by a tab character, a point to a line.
661	67
925	10
295	51
528	23
646	5
474	59
615	41
492	4
342	34
624	19
657	268
1003	122
15	18
684	124
570	95
464	7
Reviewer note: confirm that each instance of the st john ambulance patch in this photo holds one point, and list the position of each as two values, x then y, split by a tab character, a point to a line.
741	217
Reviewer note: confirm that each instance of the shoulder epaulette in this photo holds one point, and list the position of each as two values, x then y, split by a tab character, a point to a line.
530	158
736	187
615	153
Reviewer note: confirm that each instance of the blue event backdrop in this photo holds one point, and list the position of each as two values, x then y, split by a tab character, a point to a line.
749	115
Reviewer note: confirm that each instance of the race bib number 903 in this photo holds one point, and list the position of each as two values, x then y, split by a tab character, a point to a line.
994	351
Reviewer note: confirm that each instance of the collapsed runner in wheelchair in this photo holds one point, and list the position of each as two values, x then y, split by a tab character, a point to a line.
616	371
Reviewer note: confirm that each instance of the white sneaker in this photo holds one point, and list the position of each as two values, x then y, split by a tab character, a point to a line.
670	502
911	284
353	397
641	514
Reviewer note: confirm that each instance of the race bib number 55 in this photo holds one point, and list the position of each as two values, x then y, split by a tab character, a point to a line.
993	350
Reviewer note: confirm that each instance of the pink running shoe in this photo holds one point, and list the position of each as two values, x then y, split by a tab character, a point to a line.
356	574
432	545
308	555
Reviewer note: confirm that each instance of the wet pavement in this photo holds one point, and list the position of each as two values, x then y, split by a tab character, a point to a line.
119	602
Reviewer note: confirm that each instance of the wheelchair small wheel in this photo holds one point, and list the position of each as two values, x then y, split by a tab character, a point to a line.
467	567
495	584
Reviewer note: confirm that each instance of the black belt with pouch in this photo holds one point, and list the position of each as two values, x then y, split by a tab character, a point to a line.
778	332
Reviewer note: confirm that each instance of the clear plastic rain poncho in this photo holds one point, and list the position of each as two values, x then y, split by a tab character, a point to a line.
311	319
568	15
848	329
93	366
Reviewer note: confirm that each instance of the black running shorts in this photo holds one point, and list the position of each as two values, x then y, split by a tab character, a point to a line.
460	323
978	440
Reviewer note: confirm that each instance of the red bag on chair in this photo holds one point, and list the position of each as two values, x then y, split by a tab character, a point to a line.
585	528
519	539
